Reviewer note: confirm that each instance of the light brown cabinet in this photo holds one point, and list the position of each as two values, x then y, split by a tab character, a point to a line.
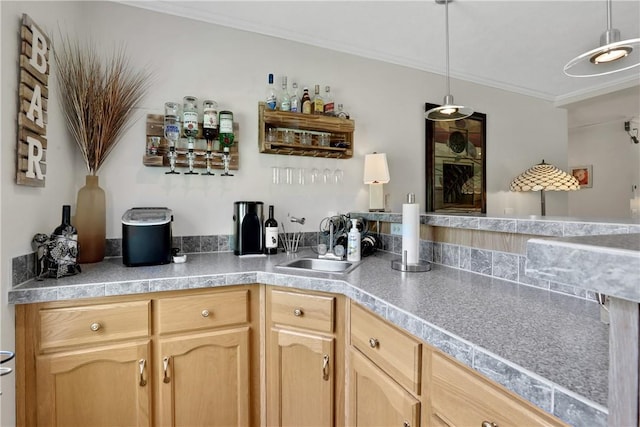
462	397
169	359
305	359
385	363
245	355
102	387
202	359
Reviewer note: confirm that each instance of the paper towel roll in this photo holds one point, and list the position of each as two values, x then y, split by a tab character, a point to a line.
411	231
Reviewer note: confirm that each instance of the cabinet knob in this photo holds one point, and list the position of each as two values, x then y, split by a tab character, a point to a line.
406	424
298	312
373	342
95	326
205	313
488	424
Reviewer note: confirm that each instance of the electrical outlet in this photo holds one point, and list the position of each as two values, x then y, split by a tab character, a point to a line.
396	229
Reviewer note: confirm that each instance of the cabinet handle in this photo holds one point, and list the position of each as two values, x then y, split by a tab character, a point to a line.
165	363
298	312
95	326
325	367
488	424
373	342
142	364
205	313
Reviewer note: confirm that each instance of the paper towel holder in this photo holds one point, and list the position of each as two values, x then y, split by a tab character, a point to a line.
402	265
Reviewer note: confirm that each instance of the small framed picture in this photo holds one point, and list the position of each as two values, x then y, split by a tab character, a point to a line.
584	175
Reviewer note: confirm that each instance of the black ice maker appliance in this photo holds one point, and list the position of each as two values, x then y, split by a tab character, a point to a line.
248	223
146	236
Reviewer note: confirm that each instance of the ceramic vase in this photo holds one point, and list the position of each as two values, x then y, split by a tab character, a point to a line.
91	221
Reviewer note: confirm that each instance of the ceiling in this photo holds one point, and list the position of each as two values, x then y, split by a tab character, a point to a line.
516	45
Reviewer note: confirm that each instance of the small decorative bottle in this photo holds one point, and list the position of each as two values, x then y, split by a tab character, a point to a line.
271	234
341	113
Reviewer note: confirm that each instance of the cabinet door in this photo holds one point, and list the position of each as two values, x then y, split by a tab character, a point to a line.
203	379
377	400
301	379
103	387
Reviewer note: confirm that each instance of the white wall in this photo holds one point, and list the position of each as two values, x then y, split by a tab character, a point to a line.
616	169
208	61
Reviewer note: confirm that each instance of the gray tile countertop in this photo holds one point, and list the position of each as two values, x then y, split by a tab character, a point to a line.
608	264
549	348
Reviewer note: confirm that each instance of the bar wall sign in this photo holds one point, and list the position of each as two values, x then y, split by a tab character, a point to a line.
33	96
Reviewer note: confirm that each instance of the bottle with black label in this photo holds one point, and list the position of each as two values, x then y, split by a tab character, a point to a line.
271	234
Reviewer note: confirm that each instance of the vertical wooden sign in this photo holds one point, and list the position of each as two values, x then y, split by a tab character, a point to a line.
32	115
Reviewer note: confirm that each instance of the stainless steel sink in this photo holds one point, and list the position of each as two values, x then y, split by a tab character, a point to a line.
322	265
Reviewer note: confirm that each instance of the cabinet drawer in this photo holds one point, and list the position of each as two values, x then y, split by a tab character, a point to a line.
202	311
395	352
303	310
461	397
60	327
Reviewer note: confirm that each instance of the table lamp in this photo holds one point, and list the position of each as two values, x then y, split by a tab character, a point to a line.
376	174
544	177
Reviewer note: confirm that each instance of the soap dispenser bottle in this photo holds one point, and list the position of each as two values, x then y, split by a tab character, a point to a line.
353	242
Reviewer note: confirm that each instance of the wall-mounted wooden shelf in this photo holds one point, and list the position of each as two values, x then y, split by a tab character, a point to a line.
155	128
340	130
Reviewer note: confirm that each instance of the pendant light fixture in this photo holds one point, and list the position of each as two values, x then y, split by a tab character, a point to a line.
612	56
449	111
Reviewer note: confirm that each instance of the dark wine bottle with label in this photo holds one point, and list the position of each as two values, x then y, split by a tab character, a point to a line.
271	234
65	228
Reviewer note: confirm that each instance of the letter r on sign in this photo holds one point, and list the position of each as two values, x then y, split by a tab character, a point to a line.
35	155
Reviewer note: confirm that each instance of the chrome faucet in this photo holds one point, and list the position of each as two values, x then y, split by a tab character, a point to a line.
330	254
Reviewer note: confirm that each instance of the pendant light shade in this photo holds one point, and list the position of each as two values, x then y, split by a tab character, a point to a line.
449	110
611	56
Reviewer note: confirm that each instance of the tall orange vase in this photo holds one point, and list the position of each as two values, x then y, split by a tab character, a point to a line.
91	221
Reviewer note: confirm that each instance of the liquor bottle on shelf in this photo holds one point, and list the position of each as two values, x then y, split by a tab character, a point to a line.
190	128
293	99
328	102
272	97
341	112
209	129
306	101
226	139
271	234
318	102
171	133
285	101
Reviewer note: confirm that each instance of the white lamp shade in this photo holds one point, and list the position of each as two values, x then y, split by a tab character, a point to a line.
376	169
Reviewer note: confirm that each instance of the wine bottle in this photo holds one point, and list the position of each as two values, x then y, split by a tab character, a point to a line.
271	234
65	228
306	101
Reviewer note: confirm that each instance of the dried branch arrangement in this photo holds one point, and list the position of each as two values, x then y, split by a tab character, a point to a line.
97	97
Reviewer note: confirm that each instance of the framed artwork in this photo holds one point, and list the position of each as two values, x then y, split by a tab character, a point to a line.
455	163
584	175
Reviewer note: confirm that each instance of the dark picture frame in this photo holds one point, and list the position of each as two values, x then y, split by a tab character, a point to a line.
455	161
